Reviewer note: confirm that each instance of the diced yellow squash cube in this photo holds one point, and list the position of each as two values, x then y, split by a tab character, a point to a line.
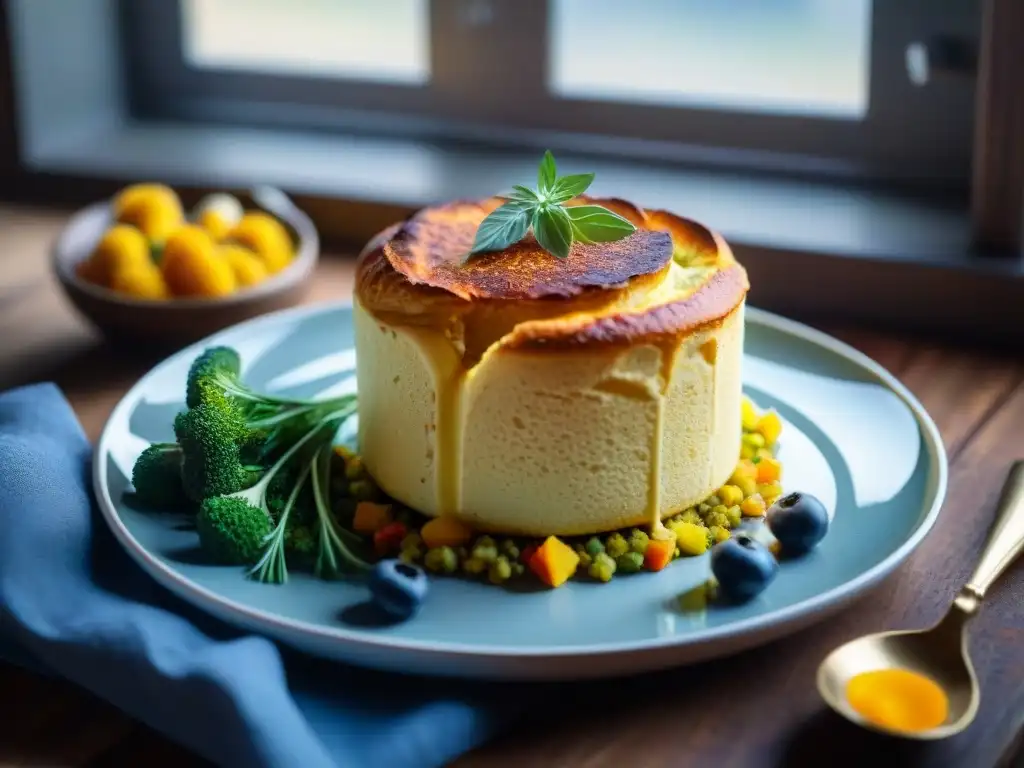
770	427
744	477
770	492
691	538
730	494
753	506
748	414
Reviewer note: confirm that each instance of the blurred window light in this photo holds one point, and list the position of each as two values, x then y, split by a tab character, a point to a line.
373	40
795	57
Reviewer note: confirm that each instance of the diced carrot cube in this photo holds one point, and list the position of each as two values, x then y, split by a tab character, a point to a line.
446	531
370	517
659	553
554	562
768	470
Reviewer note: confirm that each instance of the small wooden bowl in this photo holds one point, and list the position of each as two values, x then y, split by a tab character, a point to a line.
178	322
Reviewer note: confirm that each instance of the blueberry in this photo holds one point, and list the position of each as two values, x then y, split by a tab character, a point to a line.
743	567
799	521
398	588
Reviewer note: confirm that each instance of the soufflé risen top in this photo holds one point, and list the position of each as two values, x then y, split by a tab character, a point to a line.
533	395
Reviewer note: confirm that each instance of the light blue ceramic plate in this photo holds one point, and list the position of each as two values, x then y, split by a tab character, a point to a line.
853	436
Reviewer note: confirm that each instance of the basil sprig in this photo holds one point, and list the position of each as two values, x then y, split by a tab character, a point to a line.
555	225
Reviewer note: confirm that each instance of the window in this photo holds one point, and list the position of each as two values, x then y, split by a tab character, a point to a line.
788	57
807	86
386	40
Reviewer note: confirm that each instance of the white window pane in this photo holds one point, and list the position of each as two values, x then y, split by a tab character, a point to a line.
807	57
379	40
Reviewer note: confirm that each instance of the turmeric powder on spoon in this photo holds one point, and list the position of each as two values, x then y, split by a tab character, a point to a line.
898	699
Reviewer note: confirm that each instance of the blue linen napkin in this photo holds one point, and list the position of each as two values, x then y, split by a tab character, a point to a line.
73	603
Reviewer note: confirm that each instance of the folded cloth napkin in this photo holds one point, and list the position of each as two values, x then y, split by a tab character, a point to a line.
75	605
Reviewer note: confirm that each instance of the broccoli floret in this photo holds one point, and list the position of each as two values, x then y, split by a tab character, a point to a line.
244	451
157	477
215	359
268	424
231	530
211	438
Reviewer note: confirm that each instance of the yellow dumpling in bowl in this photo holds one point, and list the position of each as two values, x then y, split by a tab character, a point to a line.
153	209
247	267
121	247
140	281
265	236
191	266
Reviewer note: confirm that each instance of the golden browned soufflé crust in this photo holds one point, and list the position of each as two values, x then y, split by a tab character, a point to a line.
668	279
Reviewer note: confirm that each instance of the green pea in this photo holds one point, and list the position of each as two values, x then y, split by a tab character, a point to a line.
486	552
606	560
601	572
630	562
638	541
753	439
603	567
616	545
500	570
594	546
691	516
720	515
441	560
509	549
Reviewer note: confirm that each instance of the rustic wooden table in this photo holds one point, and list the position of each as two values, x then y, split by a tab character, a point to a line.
757	709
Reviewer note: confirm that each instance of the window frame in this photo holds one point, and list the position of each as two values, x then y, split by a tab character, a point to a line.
474	66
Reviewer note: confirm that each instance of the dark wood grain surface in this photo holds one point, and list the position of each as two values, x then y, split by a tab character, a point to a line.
757	709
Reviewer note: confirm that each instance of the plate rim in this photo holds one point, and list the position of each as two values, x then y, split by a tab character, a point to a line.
262	621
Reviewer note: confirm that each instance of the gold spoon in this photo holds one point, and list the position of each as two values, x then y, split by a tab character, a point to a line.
941	651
